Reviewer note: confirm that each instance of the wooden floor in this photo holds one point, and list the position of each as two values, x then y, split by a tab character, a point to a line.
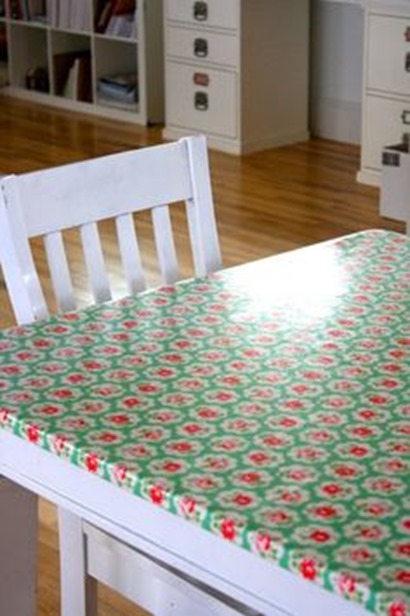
266	203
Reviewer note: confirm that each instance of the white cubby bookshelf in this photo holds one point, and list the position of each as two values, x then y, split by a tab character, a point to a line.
72	54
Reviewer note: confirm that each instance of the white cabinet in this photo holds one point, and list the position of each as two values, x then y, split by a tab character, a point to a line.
237	70
98	56
386	90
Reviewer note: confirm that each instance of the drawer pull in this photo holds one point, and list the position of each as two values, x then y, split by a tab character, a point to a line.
200	11
405	116
201	79
407	62
200	48
407	34
201	101
391	159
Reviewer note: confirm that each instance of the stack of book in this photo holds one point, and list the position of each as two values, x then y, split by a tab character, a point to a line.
120	90
116	18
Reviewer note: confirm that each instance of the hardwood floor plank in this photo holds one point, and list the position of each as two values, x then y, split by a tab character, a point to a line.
266	203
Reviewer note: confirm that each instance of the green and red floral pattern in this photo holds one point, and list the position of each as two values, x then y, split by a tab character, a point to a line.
269	404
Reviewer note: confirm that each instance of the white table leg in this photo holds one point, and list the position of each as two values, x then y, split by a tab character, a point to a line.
78	590
18	549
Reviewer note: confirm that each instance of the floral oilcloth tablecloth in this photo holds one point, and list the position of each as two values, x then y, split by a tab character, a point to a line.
268	404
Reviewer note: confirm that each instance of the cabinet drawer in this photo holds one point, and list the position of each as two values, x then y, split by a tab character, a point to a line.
389	54
386	121
203	46
212	13
211	108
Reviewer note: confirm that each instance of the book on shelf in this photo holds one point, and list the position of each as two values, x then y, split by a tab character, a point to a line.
27	10
3	44
64	11
116	17
4	71
80	16
102	15
52	13
2	8
16	10
69	14
72	75
37	10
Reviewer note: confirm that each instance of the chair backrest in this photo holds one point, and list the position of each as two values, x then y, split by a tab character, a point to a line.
48	202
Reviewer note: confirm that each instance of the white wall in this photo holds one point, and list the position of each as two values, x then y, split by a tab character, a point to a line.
336	70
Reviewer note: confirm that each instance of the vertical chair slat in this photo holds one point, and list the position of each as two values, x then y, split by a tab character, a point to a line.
195	238
59	271
130	253
165	244
201	216
94	261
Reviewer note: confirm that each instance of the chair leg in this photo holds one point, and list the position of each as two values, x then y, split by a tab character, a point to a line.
18	548
78	590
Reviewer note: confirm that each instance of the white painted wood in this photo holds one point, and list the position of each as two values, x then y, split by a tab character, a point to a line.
386	83
387	71
226	144
254	78
181	593
79	195
18	540
142	54
164	241
94	260
130	253
16	259
358	2
218	116
219	14
59	270
201	217
73	566
69	195
93	190
184	43
252	580
383	127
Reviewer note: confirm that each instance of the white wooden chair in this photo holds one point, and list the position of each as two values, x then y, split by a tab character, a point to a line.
45	203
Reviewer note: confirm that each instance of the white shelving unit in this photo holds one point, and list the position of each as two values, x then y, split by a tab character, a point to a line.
237	70
386	87
44	40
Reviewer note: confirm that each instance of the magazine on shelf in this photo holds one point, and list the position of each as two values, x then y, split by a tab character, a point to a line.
121	87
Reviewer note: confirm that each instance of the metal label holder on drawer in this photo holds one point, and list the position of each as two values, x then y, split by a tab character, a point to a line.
395	182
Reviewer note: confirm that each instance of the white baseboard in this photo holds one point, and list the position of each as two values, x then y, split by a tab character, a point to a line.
336	119
235	146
